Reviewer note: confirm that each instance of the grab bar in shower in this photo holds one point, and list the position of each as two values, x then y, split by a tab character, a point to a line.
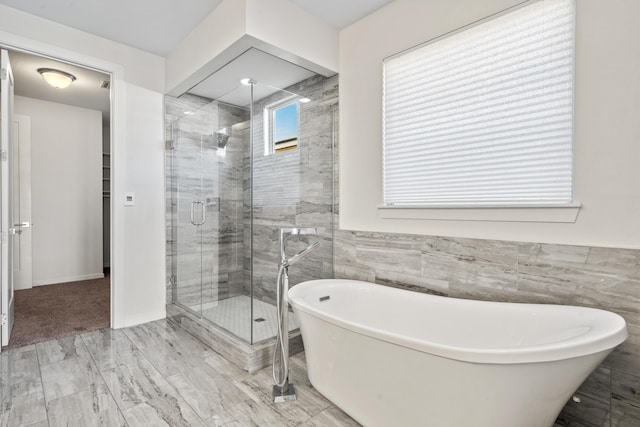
203	215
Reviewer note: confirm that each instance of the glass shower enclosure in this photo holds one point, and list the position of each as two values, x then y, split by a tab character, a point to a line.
241	166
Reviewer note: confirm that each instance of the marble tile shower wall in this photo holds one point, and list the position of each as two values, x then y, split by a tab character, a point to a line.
519	272
293	189
231	232
207	259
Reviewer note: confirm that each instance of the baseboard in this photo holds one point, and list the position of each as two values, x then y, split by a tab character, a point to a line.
138	318
68	279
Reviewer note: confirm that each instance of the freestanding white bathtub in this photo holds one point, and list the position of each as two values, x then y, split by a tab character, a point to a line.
390	357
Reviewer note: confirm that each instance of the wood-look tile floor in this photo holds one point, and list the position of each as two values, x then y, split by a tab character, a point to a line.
154	374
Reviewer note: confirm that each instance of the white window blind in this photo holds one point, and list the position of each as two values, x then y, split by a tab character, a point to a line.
484	116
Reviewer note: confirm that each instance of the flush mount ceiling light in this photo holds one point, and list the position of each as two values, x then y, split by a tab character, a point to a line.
56	78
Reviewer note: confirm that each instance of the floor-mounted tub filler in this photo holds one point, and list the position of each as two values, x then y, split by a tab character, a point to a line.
393	357
283	390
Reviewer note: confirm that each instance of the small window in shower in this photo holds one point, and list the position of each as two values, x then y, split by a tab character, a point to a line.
281	126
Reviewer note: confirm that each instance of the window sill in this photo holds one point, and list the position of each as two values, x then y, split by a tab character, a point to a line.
565	213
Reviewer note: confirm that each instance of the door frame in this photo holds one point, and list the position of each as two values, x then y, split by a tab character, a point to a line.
117	139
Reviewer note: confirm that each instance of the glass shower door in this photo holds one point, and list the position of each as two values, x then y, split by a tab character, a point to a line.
189	216
194	181
207	212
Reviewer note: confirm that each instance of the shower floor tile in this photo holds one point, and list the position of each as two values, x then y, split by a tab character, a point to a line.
234	315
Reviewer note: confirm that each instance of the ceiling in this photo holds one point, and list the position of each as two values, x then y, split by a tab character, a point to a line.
84	92
154	26
157	26
341	13
270	73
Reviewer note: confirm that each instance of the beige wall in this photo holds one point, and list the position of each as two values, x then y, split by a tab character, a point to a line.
66	190
607	128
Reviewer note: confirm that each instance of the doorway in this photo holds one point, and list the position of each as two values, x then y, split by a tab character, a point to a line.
58	251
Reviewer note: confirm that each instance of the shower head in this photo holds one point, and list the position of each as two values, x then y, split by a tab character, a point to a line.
221	139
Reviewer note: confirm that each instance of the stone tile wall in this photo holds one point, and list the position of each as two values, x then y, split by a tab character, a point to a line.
293	189
519	272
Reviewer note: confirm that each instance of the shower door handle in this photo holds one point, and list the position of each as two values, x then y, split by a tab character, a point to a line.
203	215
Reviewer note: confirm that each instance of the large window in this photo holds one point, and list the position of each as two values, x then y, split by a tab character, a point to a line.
484	116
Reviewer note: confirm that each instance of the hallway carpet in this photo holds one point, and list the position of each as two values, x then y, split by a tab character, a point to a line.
53	311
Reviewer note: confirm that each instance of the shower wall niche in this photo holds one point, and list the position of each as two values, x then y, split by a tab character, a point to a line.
229	191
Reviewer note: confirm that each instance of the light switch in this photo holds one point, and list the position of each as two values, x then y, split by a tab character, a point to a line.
129	199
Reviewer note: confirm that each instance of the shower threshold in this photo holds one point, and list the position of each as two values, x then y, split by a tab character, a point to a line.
237	350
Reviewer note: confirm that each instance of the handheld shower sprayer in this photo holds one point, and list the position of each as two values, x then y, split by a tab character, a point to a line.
301	254
285	233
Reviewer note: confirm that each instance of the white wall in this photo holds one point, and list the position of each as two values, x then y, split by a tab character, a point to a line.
66	190
296	32
138	250
221	28
607	124
139	246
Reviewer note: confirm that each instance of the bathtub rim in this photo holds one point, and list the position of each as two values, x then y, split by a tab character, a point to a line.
548	352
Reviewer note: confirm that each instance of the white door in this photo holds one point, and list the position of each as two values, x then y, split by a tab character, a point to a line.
21	183
6	220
